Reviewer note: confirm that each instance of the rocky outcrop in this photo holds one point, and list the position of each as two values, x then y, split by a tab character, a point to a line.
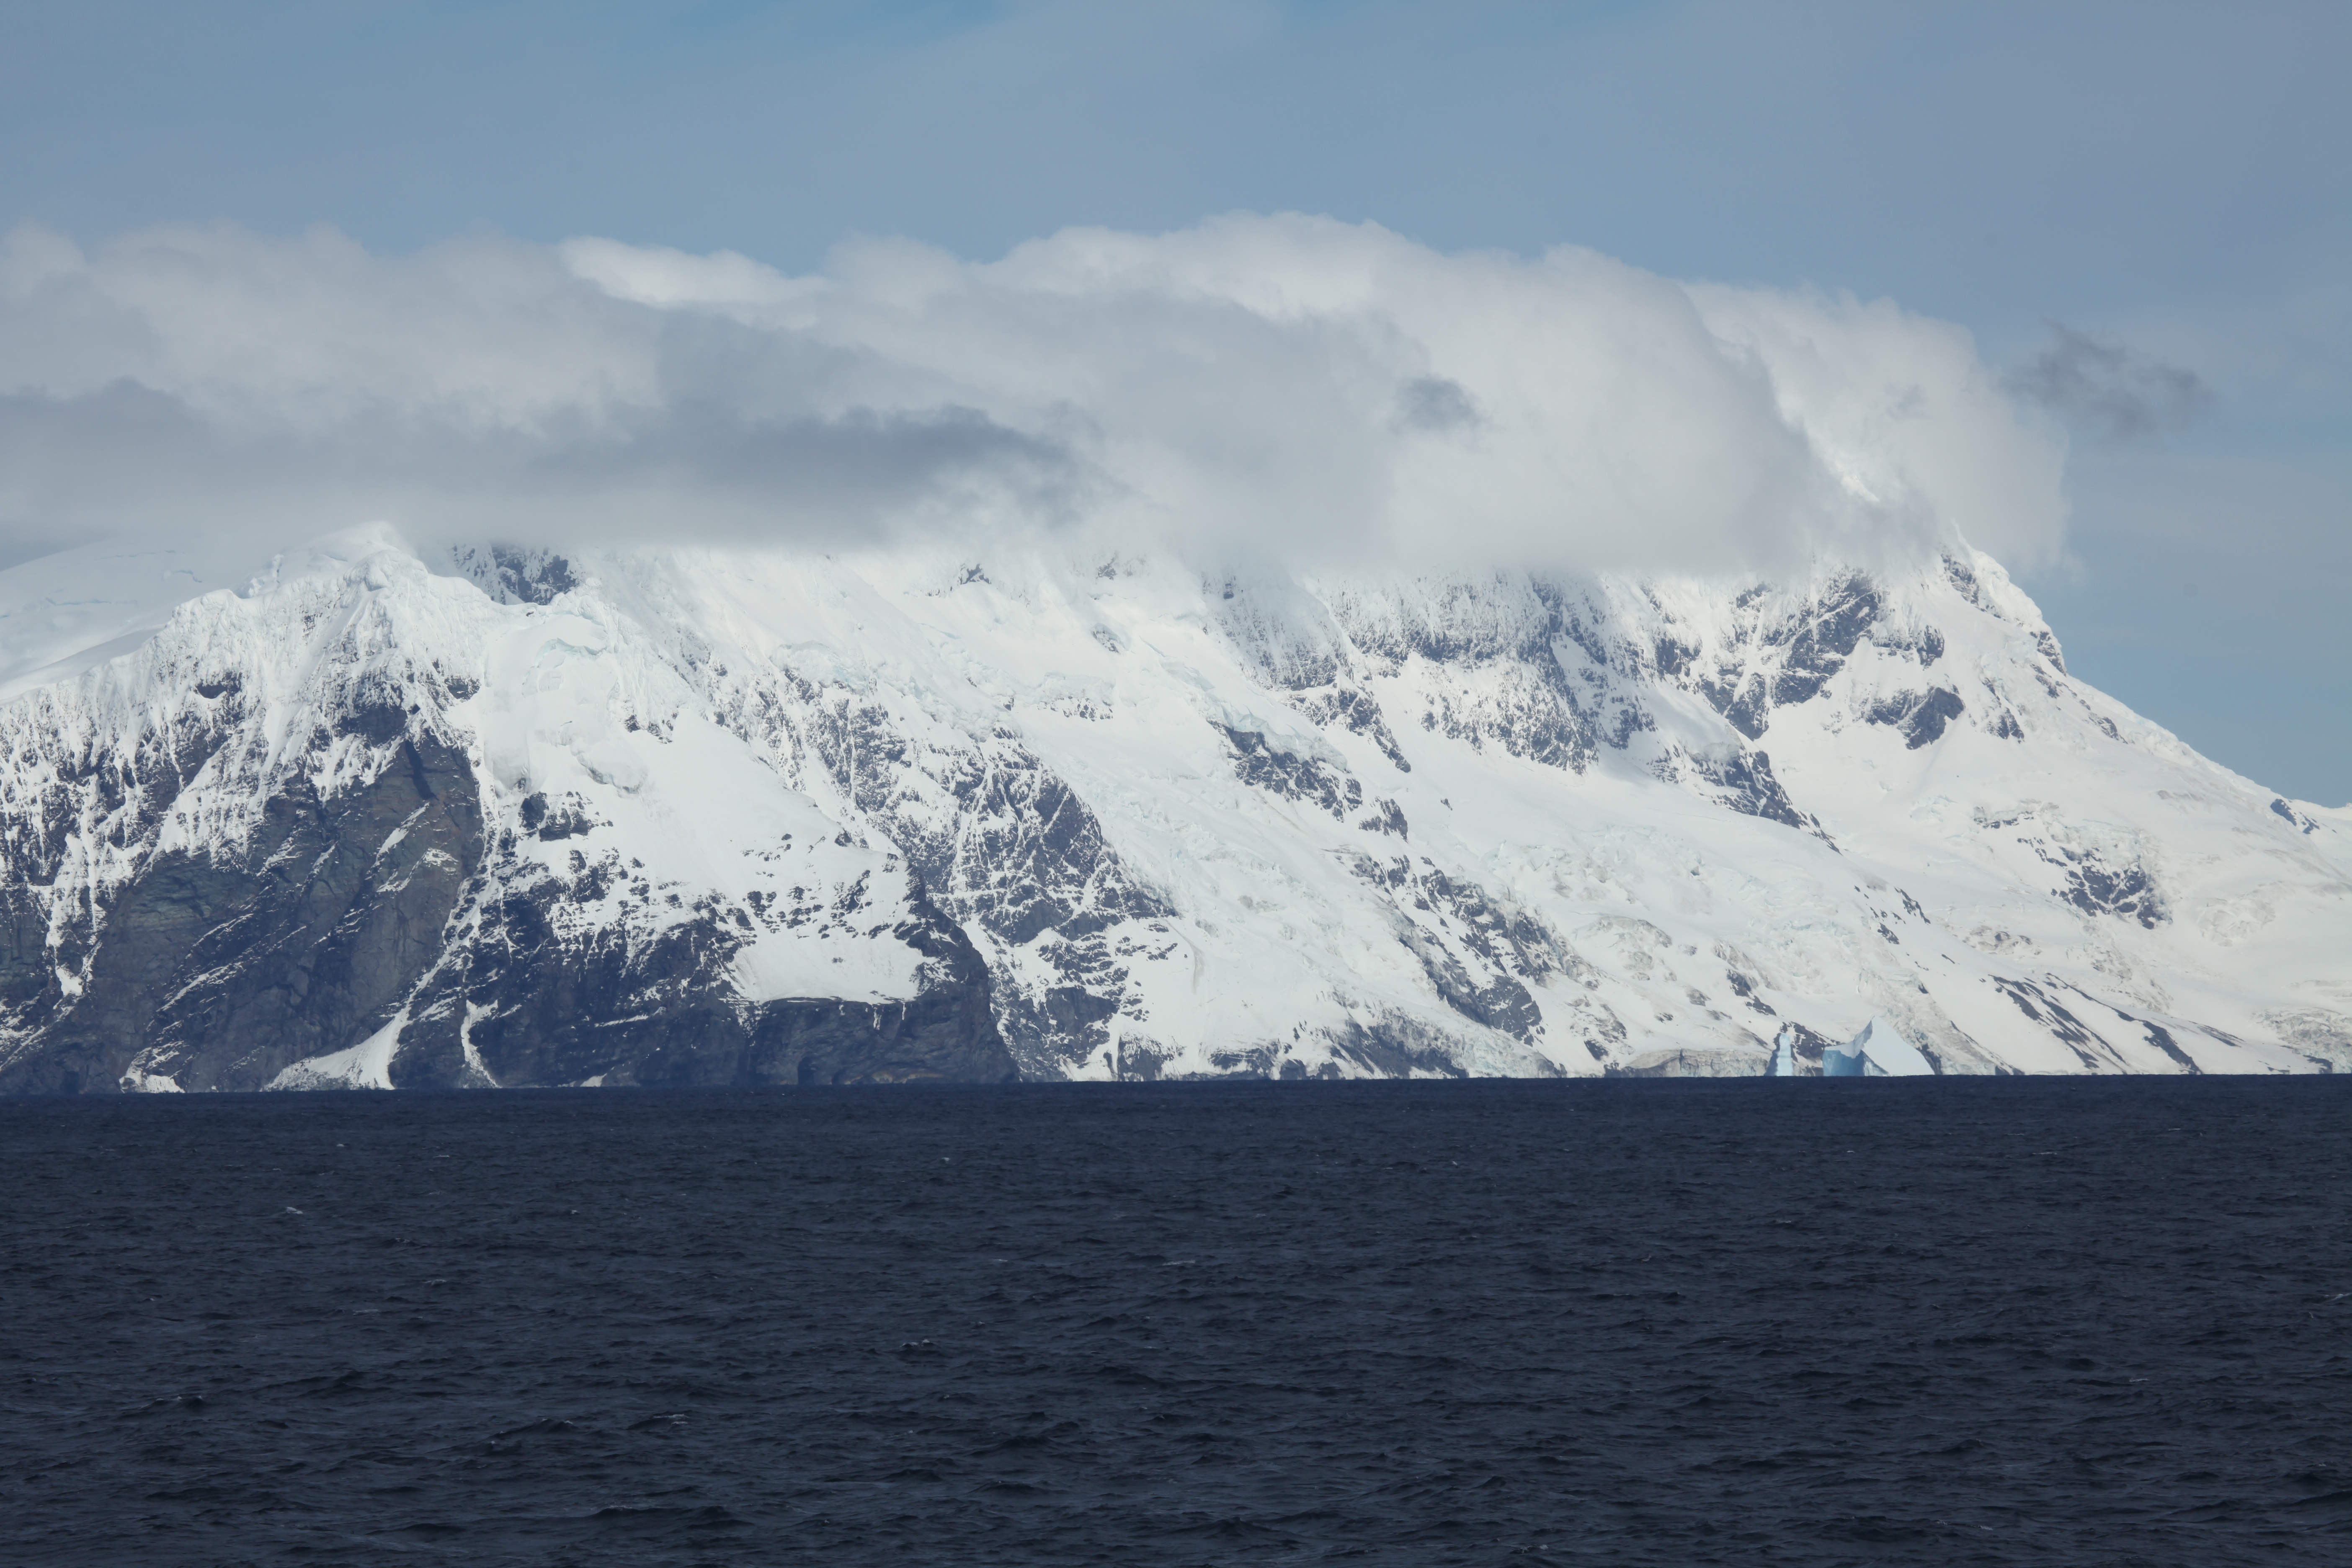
218	971
346	917
519	1007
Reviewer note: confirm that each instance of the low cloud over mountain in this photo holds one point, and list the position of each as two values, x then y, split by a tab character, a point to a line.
1278	386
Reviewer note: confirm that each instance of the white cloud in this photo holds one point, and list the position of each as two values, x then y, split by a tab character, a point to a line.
1284	385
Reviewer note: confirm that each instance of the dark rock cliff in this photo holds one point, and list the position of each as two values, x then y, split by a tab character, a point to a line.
221	971
343	916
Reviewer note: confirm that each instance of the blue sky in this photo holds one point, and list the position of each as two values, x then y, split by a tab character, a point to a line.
2170	185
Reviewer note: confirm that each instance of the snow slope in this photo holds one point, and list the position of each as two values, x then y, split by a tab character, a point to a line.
728	815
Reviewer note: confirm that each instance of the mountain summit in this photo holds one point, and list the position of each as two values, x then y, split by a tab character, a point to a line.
401	817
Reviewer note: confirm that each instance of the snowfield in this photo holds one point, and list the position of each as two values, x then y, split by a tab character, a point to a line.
385	814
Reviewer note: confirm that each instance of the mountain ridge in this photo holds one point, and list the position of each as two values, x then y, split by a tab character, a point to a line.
432	817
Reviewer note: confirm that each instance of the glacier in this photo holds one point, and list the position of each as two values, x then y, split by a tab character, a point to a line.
389	813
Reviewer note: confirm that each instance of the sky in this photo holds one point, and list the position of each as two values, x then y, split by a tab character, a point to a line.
2139	216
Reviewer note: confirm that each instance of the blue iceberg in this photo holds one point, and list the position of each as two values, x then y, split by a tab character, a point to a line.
1879	1051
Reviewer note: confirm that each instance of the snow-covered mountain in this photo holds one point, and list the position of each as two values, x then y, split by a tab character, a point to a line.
398	817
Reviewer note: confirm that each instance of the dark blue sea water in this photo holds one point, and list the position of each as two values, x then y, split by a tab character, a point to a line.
2016	1322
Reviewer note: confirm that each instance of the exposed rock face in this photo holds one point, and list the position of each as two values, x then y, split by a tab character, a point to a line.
499	818
221	971
545	1010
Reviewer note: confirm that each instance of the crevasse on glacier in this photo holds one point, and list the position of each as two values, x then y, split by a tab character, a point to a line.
435	818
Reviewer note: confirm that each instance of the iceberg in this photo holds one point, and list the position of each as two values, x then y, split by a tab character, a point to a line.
1879	1051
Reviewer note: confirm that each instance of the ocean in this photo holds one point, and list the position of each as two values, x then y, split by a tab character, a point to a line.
2015	1320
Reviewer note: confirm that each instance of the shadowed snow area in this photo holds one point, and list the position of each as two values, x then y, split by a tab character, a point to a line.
403	814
